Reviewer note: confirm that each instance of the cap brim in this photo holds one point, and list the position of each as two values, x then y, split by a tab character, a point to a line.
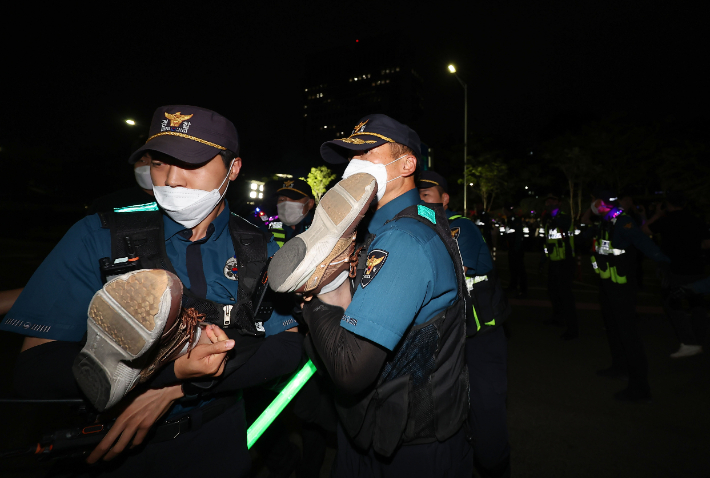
337	150
186	150
291	193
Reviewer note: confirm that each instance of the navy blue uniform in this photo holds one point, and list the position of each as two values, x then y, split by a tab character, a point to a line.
487	361
413	281
54	306
614	261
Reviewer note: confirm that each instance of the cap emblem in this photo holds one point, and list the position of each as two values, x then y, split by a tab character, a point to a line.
356	141
175	121
288	184
359	128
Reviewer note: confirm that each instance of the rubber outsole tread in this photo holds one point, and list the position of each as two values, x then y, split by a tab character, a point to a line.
120	330
137	295
94	382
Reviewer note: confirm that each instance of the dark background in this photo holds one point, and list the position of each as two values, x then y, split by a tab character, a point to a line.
73	75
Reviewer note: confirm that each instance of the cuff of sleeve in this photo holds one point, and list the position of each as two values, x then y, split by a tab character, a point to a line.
164	377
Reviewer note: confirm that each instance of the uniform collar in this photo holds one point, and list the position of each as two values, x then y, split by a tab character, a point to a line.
389	210
218	225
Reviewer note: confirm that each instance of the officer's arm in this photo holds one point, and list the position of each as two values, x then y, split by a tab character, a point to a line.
641	241
353	363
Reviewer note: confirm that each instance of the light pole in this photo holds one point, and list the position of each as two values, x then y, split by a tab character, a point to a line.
452	69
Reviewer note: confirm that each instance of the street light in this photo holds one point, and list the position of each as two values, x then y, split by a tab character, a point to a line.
452	70
130	122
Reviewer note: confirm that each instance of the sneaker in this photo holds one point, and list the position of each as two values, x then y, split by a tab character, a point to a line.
126	319
687	351
306	259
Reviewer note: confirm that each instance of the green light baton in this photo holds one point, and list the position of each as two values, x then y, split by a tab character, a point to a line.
286	395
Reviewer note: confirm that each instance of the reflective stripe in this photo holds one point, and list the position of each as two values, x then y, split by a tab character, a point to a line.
470	281
151	206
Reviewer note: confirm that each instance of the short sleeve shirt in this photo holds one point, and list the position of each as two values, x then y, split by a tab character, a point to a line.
55	301
474	250
413	281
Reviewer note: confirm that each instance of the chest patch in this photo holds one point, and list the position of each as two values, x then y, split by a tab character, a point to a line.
230	268
455	231
375	261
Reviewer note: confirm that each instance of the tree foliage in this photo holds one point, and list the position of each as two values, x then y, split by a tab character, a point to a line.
487	174
318	179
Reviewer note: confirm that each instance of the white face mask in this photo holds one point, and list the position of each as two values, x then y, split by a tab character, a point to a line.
379	171
290	213
143	177
189	207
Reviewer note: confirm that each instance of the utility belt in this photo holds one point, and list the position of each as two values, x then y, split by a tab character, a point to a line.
605	249
169	429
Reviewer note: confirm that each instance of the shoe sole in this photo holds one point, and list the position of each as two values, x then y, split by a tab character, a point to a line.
126	318
338	214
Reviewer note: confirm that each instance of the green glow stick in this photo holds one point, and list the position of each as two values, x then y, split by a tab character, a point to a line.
286	395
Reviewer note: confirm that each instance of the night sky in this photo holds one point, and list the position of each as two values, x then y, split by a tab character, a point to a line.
72	76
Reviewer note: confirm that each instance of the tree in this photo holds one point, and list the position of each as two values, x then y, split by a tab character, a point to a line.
318	179
487	175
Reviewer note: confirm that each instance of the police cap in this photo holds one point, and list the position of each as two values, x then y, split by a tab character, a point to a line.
295	189
372	131
189	133
429	179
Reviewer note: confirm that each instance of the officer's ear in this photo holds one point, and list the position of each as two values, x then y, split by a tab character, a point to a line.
310	203
409	165
445	199
236	167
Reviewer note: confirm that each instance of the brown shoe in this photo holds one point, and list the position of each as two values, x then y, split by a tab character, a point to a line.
343	258
305	258
127	318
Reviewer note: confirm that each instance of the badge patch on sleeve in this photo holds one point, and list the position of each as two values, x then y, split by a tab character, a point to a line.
375	260
455	231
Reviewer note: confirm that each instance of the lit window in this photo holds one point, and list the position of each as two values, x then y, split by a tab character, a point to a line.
252	194
261	187
355	79
368	75
306	89
397	68
305	106
373	83
306	114
325	127
261	195
253	186
350	80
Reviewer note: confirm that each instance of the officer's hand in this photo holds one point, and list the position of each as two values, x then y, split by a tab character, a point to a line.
205	359
135	421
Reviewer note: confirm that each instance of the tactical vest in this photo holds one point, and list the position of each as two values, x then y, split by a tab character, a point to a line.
608	261
491	304
277	230
421	395
142	230
555	241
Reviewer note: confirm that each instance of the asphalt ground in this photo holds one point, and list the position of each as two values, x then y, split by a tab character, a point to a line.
562	419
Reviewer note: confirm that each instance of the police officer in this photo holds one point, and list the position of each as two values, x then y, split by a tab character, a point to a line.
615	243
487	350
141	193
559	251
395	347
294	204
194	157
682	234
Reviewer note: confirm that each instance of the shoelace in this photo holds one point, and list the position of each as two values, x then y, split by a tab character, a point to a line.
189	321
